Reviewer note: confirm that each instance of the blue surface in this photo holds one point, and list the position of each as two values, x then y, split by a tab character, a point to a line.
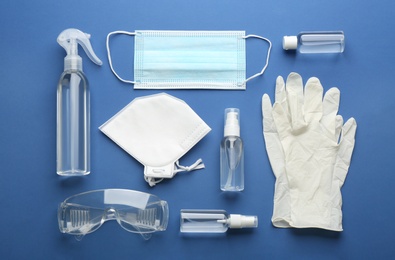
32	61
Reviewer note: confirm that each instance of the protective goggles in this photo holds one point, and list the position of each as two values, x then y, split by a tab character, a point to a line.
135	211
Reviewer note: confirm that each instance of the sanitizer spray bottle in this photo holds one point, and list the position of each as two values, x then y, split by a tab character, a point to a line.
73	117
232	153
213	221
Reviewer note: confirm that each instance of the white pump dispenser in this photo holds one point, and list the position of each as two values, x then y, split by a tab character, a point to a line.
232	126
73	116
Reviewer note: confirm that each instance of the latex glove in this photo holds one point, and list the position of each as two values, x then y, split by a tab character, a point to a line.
309	150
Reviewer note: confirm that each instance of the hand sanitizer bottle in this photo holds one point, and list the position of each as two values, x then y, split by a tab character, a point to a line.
315	42
213	221
73	130
232	153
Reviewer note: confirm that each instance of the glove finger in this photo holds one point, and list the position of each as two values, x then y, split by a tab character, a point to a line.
268	122
280	95
338	128
313	100
346	147
331	102
348	132
330	107
281	120
276	155
295	83
272	141
294	89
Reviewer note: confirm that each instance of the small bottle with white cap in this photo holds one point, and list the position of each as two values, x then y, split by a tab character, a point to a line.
315	42
232	153
214	221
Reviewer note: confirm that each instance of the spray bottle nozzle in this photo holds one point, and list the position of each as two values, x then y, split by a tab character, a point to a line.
69	40
232	122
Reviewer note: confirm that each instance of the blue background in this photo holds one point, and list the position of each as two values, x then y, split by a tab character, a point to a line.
31	62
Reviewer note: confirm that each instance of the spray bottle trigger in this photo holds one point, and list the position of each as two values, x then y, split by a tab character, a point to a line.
86	45
69	38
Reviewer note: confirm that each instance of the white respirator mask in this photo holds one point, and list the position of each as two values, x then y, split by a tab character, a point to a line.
189	59
157	130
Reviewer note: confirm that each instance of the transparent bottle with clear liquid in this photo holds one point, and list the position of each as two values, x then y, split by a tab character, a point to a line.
213	221
73	108
232	153
316	42
73	124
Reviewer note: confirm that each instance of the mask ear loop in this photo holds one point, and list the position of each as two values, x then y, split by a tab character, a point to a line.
152	181
133	34
178	168
109	53
267	56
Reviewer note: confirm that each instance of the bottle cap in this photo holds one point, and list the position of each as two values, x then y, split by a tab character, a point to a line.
240	221
290	42
232	122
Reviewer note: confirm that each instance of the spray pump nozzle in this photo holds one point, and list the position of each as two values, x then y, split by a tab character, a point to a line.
69	40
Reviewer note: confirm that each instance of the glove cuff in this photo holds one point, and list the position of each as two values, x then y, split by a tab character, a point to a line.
315	214
281	211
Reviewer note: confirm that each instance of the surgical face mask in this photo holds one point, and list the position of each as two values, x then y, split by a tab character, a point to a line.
157	130
135	211
189	59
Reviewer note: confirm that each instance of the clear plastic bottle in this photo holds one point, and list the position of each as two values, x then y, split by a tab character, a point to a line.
213	221
73	117
232	153
316	42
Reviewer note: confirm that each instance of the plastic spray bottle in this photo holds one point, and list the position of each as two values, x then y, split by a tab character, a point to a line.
315	42
73	109
232	153
213	221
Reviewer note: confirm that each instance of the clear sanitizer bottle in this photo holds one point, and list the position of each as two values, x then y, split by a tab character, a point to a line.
73	117
232	153
315	42
213	221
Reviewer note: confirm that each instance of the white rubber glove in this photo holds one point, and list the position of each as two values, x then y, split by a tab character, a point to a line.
308	159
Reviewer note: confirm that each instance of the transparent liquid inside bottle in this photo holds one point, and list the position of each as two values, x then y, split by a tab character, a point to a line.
321	42
203	221
232	164
73	140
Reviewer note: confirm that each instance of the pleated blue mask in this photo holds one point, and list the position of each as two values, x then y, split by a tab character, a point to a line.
189	59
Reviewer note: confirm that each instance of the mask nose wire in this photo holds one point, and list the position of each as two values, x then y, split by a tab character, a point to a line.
109	53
